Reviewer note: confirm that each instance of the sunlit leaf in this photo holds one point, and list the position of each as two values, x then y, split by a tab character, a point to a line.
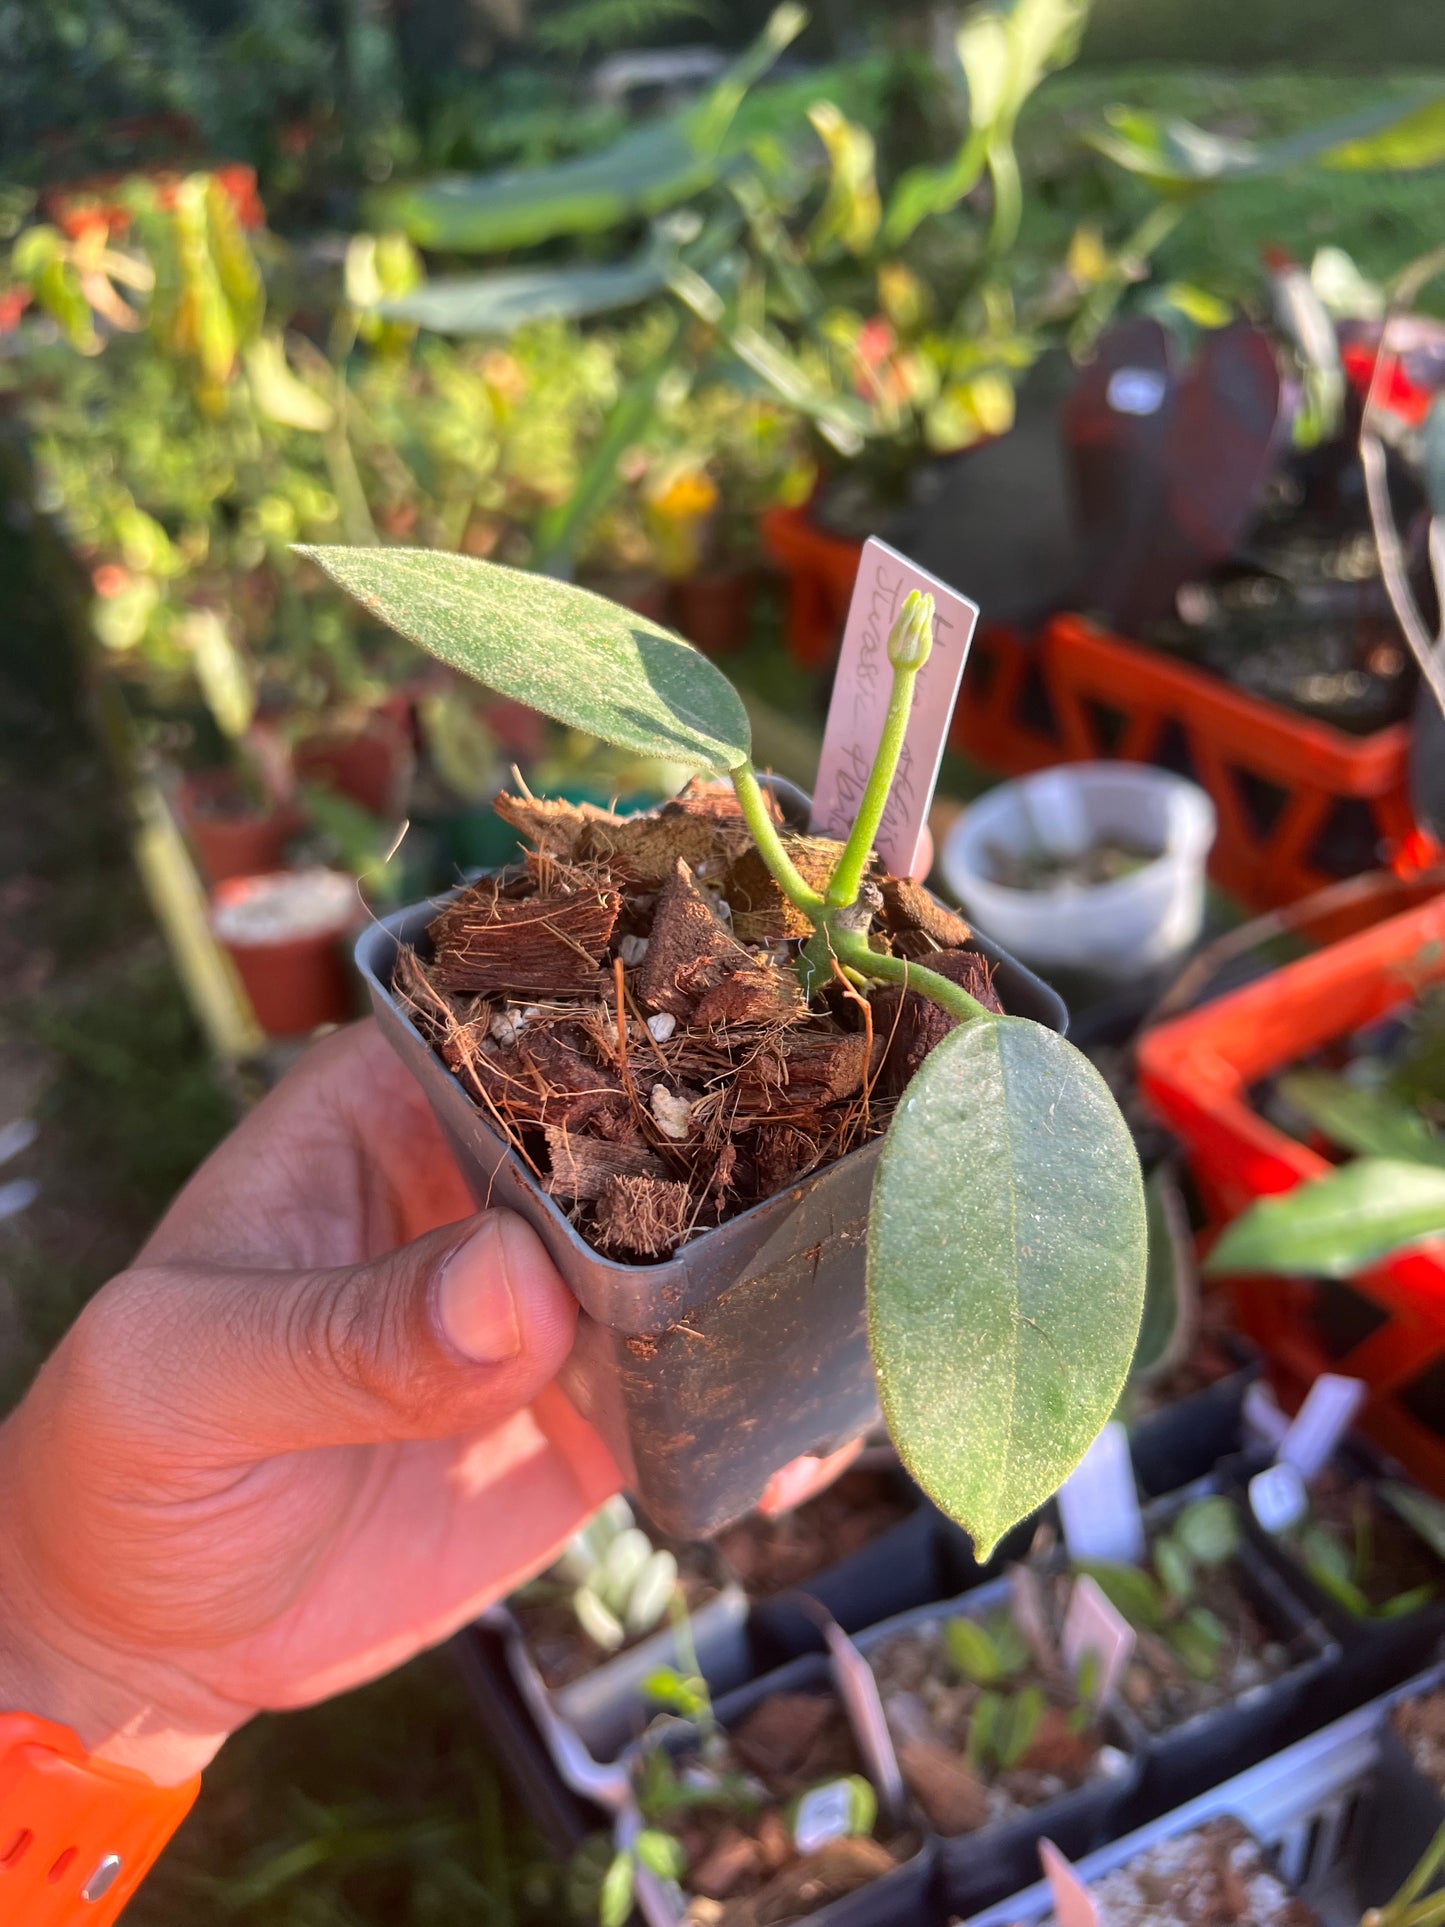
1006	1260
651	168
851	211
1336	1225
614	1904
563	651
1371	1122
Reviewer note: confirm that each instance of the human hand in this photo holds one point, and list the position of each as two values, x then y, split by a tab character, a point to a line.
311	1430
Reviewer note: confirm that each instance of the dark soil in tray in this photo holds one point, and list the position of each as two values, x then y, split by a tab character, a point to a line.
772	1555
1210	1361
1361	1552
625	1012
743	1869
1420	1724
562	1651
1216	1876
963	1783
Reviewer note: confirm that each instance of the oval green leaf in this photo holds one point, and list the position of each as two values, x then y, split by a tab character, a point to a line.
1006	1261
1336	1225
570	654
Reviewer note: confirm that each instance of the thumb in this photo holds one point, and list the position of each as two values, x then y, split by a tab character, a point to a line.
449	1334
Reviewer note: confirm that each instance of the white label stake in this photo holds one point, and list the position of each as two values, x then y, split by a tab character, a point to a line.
860	702
1098	1503
1321	1422
858	1691
1093	1624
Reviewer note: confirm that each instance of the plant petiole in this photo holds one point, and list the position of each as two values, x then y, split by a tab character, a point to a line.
764	833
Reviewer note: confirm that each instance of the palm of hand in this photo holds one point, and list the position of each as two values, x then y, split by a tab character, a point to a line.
237	1553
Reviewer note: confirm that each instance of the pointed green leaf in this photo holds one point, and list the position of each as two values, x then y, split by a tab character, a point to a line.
1421	1510
1371	1122
971	1651
1173	153
1336	1225
1006	1259
569	654
651	168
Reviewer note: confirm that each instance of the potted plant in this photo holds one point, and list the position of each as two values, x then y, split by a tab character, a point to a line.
284	934
1009	1179
764	1810
998	1740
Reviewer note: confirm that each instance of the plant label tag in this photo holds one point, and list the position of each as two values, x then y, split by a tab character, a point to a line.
1321	1422
1073	1904
1099	1506
858	1691
1093	1624
860	702
824	1813
1264	1423
1277	1497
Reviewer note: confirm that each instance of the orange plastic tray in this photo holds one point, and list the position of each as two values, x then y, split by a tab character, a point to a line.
1197	1073
1300	804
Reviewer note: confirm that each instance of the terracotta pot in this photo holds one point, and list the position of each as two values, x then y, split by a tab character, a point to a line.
294	982
230	838
714	610
372	765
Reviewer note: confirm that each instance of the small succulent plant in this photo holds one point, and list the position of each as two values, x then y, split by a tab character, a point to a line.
624	1585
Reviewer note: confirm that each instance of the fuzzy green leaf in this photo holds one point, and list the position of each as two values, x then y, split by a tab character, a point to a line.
1209	1530
1336	1225
971	1651
1171	1295
569	654
1371	1122
1006	1259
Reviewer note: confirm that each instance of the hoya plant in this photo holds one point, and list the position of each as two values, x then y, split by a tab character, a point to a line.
1006	1238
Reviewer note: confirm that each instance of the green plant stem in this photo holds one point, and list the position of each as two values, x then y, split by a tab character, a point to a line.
854	954
847	877
764	833
1403	1910
1008	196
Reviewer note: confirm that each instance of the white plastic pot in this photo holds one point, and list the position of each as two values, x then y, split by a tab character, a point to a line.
1127	928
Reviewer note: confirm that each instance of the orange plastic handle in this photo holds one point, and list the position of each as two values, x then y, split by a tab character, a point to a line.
77	1835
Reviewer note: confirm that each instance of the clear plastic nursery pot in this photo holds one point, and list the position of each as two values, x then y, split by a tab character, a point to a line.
747	1348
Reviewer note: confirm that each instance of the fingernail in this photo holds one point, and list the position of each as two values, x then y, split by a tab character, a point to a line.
476	1305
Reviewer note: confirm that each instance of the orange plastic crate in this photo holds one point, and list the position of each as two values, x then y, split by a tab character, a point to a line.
1300	803
1197	1073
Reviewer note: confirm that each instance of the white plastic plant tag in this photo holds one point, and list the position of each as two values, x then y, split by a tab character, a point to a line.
1094	1625
824	1813
1321	1422
858	1691
1264	1423
1098	1503
1073	1903
860	702
1277	1497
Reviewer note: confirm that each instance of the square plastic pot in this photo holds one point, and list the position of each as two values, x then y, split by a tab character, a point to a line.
749	1347
1184	1441
1221	1741
585	1727
995	1860
1376	1653
907	1897
1307	1804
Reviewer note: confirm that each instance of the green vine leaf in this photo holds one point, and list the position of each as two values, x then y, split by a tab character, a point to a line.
1006	1261
570	654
